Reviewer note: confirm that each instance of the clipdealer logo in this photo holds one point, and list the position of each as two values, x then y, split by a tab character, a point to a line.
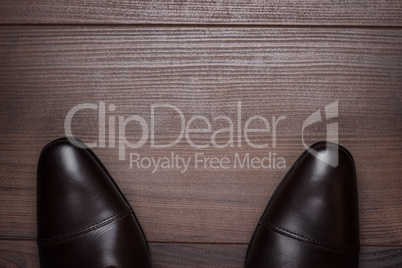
112	133
237	133
331	111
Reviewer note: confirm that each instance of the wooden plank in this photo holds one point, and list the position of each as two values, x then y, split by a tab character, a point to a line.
45	71
234	255
193	255
18	253
376	257
258	12
24	254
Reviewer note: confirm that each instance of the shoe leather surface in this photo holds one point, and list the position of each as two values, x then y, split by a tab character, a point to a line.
312	219
83	219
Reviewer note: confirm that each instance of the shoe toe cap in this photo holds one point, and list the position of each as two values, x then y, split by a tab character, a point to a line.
313	213
73	190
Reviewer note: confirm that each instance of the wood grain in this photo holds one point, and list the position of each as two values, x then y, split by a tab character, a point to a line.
258	12
24	254
45	71
278	58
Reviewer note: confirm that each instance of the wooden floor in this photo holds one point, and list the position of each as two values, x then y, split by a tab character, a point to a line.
206	58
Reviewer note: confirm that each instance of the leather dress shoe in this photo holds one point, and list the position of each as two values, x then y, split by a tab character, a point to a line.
312	219
83	218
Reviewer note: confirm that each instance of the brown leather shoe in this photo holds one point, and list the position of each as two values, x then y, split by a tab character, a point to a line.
83	218
312	219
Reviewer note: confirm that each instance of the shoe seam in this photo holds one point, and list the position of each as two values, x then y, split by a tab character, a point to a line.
307	239
86	229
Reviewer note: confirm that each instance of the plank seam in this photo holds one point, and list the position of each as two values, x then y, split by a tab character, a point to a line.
200	25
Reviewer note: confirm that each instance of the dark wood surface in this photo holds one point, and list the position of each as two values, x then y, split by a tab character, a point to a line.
24	254
259	12
205	216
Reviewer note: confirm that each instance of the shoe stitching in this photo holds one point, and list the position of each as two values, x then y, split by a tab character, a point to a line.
305	238
86	229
